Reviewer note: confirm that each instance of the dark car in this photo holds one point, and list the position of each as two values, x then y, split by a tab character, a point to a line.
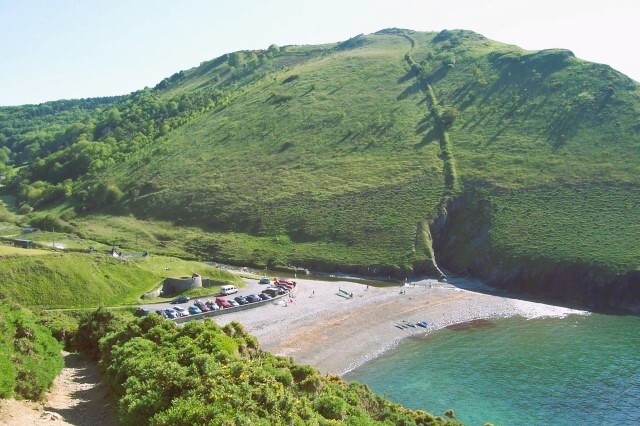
161	313
222	302
170	313
180	299
201	305
241	300
274	291
142	312
252	298
264	280
264	296
193	310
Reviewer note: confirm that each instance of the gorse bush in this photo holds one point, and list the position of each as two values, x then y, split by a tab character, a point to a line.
201	373
30	356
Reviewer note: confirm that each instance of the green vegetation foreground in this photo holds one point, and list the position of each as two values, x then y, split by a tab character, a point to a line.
200	373
29	355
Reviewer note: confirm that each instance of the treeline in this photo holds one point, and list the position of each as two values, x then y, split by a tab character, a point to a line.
47	149
201	373
82	142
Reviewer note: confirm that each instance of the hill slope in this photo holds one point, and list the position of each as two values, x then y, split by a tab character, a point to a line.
389	153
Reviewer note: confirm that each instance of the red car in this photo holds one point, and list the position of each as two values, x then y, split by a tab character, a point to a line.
201	305
285	281
285	285
222	302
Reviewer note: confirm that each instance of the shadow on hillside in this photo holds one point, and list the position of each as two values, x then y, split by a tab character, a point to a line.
408	76
415	88
430	137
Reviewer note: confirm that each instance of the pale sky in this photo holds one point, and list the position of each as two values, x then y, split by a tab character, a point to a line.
55	49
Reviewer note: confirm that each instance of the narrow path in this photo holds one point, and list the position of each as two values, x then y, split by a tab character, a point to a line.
449	171
77	397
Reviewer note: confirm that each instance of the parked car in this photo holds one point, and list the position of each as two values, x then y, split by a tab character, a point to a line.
180	299
142	312
233	303
264	280
241	300
161	313
182	312
170	313
274	291
285	281
264	296
222	302
201	305
285	286
211	305
228	289
252	298
193	310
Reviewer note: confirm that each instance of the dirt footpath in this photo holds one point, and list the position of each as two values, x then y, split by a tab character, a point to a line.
77	397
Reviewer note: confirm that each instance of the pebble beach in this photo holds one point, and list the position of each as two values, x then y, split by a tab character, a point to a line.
321	326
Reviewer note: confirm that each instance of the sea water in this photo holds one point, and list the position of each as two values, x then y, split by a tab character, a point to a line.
574	370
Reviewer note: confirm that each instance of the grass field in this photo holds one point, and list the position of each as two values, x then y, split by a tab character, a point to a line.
17	251
74	280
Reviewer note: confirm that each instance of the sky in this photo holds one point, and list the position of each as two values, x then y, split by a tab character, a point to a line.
55	49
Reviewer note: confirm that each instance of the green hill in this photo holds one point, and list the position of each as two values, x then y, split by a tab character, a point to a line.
77	280
391	153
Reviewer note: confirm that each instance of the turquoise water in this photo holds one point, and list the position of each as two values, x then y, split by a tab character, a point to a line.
575	370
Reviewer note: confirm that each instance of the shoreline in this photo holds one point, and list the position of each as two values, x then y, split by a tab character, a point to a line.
336	334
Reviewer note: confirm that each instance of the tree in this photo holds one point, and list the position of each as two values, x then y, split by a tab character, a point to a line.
449	116
273	49
234	59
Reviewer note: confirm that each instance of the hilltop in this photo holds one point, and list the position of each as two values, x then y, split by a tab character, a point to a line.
393	153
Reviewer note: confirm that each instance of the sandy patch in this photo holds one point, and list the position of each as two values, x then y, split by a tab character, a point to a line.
77	397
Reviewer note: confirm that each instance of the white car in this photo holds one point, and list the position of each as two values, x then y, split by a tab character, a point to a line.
182	312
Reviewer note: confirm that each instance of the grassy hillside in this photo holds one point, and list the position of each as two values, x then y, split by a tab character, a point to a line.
357	155
308	149
304	153
74	280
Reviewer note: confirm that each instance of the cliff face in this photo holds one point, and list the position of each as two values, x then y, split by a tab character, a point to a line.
588	286
463	244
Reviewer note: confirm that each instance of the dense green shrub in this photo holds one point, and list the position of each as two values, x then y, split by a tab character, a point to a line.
29	356
62	326
201	373
331	407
